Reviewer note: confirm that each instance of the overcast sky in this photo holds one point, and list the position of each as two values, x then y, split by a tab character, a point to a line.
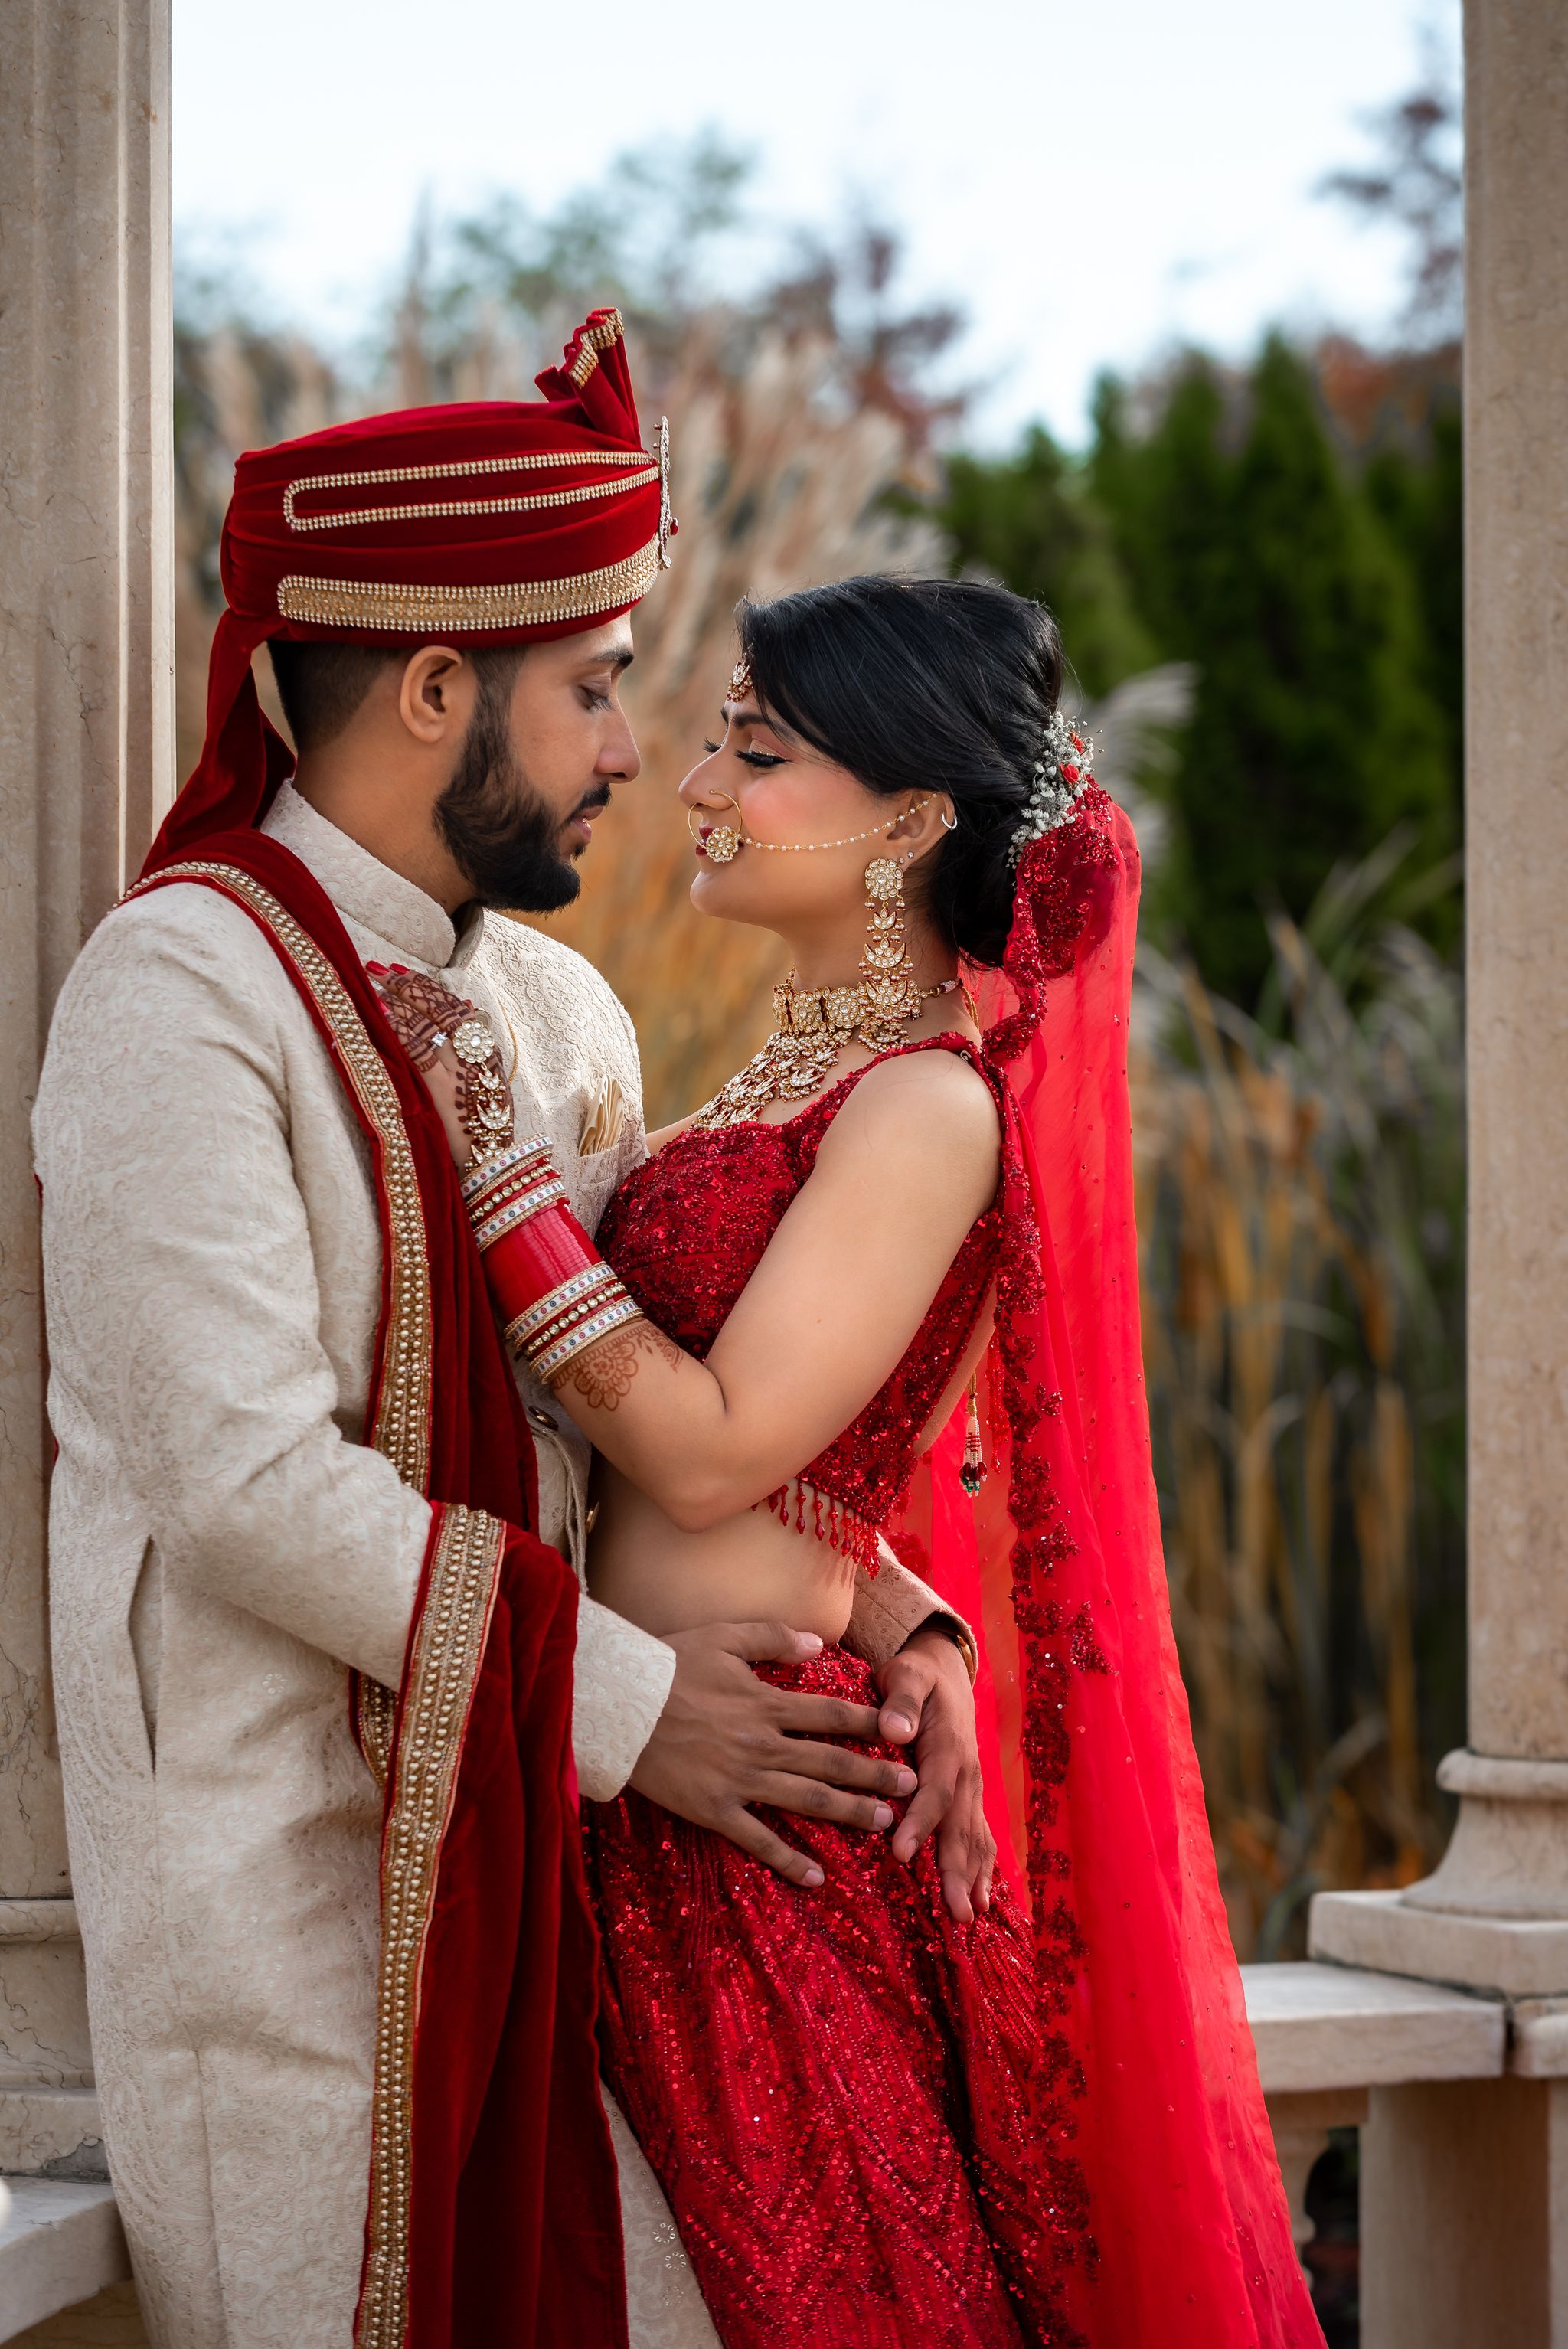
1092	179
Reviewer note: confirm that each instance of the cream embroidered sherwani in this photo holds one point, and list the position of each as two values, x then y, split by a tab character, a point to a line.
223	1546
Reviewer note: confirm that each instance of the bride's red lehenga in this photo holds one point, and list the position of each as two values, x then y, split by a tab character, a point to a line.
875	2126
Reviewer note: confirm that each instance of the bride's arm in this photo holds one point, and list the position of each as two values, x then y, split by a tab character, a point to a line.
902	1174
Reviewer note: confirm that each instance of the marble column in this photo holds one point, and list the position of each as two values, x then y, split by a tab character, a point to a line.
1508	1857
1465	2187
1495	1913
86	767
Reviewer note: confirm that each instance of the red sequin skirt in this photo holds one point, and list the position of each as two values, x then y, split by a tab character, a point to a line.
832	2086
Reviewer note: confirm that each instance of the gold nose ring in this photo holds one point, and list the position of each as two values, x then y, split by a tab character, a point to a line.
722	843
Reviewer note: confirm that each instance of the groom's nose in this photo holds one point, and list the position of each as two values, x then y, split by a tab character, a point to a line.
619	757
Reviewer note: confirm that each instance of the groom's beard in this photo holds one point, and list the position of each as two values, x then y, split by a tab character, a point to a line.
504	839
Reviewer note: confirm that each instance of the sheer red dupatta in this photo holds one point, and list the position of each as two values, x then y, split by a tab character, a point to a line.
1171	2220
493	2211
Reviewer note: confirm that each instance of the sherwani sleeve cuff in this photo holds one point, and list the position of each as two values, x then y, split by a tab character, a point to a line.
621	1679
891	1606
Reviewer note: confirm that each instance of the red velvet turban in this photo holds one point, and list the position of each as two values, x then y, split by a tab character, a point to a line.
503	521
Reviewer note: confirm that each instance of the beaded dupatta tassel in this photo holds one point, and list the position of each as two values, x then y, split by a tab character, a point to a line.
972	1468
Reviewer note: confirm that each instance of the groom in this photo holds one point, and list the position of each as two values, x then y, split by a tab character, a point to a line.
286	1431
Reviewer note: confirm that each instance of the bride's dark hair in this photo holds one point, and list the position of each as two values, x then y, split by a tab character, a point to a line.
915	685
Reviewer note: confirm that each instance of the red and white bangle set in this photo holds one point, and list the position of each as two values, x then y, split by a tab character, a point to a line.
505	1191
555	1293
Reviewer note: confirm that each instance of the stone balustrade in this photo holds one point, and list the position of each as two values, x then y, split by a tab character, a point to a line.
1330	2040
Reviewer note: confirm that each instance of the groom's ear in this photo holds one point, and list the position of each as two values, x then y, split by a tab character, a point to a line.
436	696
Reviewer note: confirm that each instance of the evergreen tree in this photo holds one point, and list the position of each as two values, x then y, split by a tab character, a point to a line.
1029	519
1417	493
1253	552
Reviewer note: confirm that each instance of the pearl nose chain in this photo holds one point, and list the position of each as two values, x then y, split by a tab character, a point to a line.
726	841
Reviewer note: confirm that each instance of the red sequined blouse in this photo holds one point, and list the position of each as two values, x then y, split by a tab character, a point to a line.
686	1230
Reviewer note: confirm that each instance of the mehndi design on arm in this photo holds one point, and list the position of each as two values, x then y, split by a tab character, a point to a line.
602	1373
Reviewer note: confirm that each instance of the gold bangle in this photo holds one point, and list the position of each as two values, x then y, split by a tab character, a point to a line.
479	1173
595	1281
952	1629
499	1220
545	1342
548	1366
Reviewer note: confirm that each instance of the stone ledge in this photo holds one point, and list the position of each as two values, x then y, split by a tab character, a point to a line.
38	1920
1539	2033
48	2132
59	2243
1505	1957
1320	2027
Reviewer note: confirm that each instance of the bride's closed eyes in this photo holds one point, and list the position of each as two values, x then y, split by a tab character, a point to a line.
749	758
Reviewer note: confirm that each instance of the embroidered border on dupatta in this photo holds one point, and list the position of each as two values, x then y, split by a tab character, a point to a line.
448	1645
400	1425
453	1624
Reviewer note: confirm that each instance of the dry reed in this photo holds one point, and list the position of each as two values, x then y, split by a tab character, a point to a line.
1301	1205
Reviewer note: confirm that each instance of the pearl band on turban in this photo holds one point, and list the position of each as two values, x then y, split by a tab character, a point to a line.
499	521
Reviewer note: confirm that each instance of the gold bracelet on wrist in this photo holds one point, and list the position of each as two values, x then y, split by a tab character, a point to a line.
574	1316
531	1332
480	1174
963	1643
548	1366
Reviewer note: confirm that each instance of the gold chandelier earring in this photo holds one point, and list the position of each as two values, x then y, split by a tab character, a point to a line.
812	1025
887	985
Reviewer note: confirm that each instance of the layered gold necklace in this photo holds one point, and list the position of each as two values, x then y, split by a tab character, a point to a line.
812	1026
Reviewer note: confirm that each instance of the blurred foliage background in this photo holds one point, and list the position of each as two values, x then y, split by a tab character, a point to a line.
1257	573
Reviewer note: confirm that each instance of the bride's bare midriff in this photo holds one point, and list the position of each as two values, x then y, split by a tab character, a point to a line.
751	1569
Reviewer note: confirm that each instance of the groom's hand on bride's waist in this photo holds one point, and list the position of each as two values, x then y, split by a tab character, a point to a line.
726	1740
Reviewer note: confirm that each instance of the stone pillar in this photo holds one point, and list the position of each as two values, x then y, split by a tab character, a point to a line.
86	767
1465	2190
1495	1913
1481	2154
1509	1856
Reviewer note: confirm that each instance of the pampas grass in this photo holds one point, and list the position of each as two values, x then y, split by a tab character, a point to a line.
1301	1201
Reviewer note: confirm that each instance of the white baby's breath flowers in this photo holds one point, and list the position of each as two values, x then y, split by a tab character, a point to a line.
1062	772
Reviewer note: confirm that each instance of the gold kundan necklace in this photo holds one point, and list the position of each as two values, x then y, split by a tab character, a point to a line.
812	1025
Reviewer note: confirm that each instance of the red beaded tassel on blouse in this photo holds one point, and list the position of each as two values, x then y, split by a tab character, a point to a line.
805	1508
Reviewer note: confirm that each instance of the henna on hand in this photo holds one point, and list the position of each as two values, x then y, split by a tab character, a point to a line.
440	1031
421	1011
602	1373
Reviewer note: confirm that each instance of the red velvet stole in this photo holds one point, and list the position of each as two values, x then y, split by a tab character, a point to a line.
493	2212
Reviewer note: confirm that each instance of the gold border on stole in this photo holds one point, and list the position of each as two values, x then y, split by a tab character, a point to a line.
448	1640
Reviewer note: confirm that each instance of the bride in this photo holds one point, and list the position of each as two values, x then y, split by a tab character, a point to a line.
883	1289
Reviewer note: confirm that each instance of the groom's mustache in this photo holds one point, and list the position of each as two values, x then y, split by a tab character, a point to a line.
594	804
